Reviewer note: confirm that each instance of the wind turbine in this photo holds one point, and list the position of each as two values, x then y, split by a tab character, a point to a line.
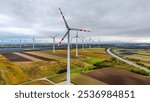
2	42
90	42
77	36
83	38
33	45
11	43
25	42
20	43
71	44
68	48
54	38
99	42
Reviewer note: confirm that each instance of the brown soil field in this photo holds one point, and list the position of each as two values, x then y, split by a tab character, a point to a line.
46	54
15	58
115	76
39	57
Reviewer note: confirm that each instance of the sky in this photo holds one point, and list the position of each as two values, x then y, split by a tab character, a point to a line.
108	20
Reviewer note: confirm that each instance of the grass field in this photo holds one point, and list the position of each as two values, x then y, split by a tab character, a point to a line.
10	73
76	78
39	69
94	60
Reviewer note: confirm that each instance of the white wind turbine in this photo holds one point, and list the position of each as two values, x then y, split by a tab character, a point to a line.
2	42
77	36
68	48
33	43
99	42
90	42
54	38
11	43
20	43
71	43
83	38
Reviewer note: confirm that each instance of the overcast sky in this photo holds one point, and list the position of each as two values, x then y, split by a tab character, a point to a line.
107	19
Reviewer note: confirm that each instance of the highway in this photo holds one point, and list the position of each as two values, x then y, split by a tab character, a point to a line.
126	61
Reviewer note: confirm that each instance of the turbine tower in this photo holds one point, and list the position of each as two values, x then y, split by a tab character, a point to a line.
77	36
20	43
24	41
83	38
71	43
33	45
54	38
99	42
11	43
90	42
68	48
2	42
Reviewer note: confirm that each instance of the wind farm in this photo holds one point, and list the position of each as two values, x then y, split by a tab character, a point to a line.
96	55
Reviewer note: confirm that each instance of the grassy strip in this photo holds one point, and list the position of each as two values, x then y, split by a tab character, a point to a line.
76	78
120	65
94	60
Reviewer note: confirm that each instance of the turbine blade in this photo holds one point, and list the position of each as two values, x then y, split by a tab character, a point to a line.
83	30
63	38
64	18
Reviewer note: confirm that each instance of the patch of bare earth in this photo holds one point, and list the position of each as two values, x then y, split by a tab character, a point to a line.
39	57
115	76
15	58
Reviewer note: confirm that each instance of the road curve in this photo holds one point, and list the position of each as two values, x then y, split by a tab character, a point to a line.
126	61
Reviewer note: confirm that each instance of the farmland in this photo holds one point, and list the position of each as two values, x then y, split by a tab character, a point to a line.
139	56
47	68
11	73
115	76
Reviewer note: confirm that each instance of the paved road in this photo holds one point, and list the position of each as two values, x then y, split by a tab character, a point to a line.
126	61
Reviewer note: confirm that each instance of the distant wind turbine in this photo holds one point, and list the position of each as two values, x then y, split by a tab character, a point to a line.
54	38
90	42
11	43
77	36
33	43
71	44
99	42
20	43
68	48
2	42
83	38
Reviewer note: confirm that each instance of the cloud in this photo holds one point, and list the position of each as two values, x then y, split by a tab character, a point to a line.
105	18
